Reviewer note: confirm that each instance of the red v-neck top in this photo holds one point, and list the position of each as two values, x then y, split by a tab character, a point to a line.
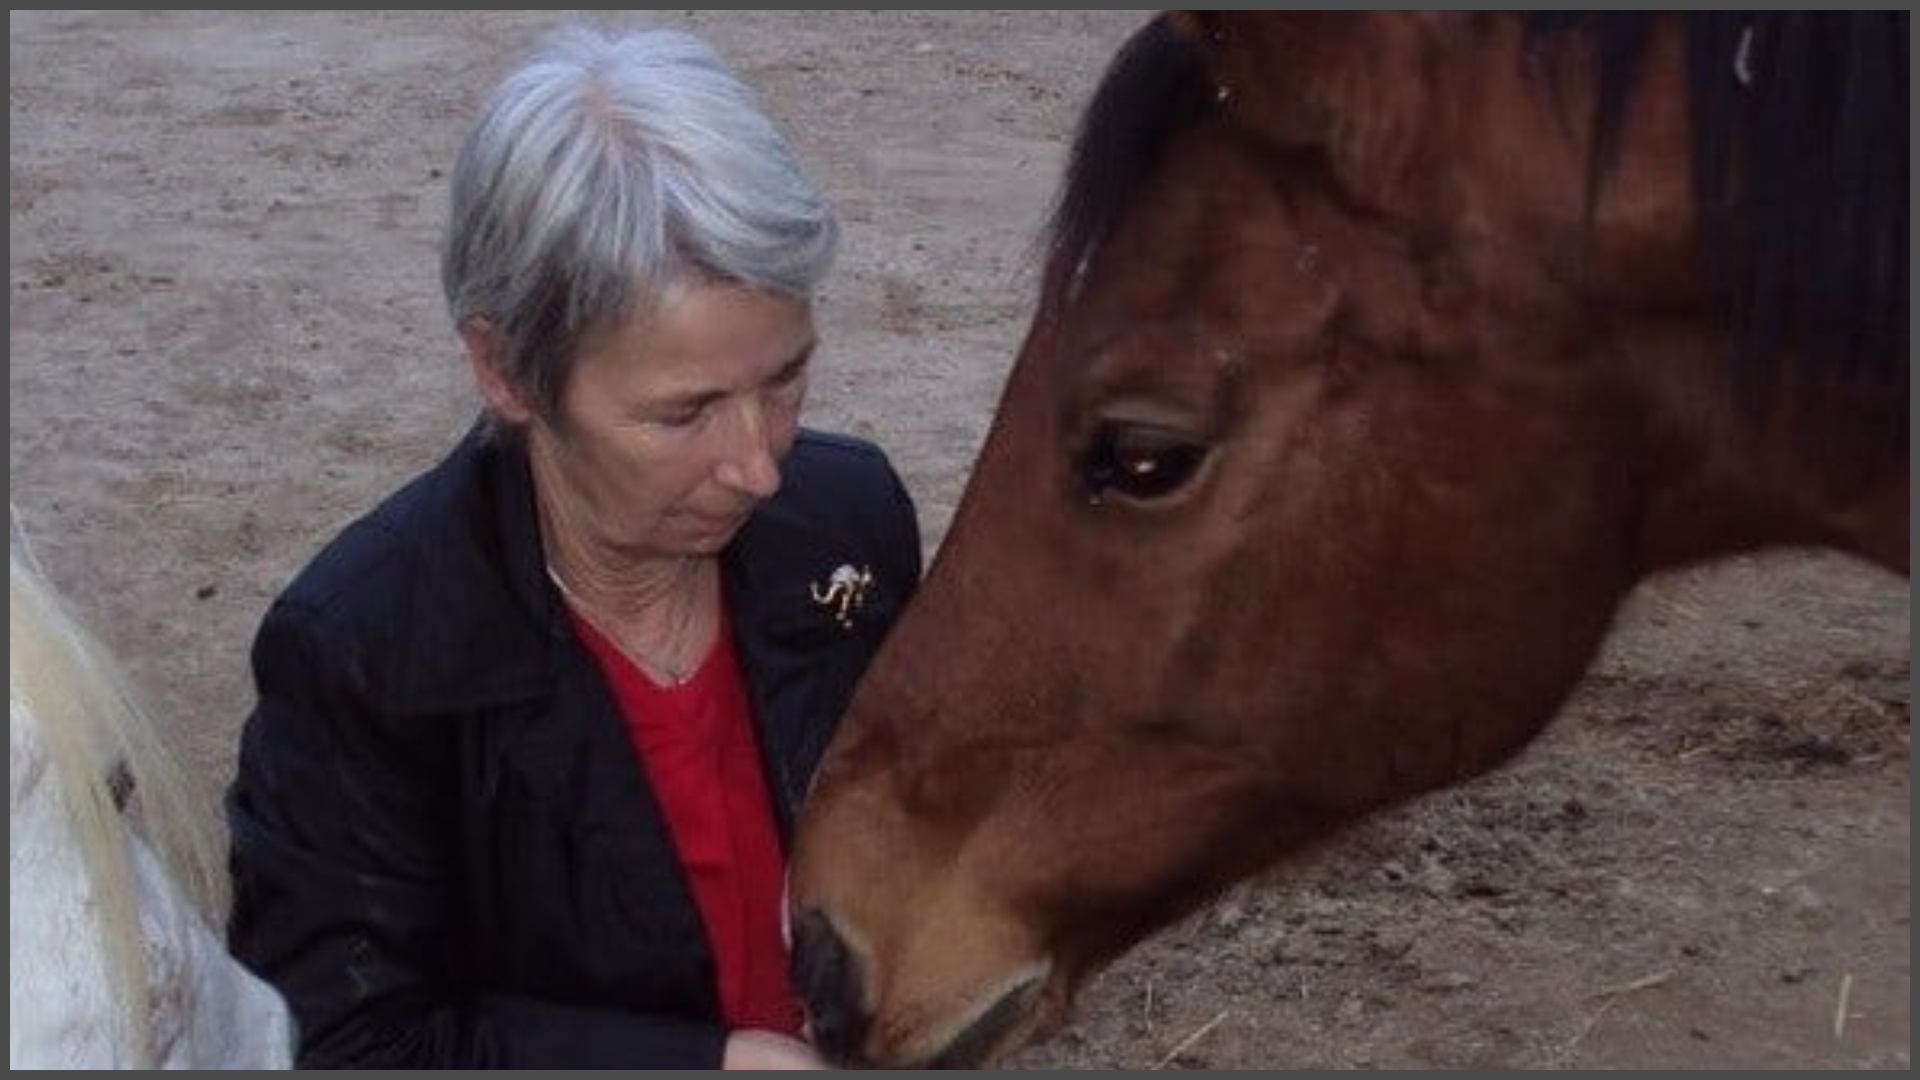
697	745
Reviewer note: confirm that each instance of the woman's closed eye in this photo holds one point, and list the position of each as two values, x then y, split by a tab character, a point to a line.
679	415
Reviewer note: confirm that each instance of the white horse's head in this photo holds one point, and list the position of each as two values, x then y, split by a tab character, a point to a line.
113	960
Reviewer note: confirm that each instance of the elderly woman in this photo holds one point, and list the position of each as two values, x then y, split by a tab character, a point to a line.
529	736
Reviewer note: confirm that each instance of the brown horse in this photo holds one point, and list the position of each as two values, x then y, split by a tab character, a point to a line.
1379	355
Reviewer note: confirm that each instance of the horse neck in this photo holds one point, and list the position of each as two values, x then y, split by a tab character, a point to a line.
1727	476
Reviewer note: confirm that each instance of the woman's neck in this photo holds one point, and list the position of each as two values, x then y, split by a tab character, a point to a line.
663	612
663	618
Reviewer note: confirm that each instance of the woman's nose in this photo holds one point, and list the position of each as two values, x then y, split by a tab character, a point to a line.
751	463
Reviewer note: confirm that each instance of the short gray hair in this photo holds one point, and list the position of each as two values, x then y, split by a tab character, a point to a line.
606	168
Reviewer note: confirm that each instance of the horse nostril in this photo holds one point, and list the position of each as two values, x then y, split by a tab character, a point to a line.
827	979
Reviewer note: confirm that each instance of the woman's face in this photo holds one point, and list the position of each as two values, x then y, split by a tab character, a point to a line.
673	424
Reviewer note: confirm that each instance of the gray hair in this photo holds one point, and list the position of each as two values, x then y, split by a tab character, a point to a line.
606	168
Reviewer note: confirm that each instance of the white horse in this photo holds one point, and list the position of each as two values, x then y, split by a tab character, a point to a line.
113	959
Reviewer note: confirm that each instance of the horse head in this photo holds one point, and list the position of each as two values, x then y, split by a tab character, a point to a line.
1370	372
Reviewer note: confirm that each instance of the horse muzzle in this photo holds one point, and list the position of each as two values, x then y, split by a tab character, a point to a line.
838	998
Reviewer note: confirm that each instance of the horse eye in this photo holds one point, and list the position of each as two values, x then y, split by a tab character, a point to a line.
1138	461
120	785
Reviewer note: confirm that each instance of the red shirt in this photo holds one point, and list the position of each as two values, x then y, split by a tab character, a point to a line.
697	745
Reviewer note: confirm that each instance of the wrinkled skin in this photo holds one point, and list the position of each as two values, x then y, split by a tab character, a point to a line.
1419	440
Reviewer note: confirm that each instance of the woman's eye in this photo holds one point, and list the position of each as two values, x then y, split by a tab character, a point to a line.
1138	461
676	418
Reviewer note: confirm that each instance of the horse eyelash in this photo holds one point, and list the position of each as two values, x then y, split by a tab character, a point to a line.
1139	461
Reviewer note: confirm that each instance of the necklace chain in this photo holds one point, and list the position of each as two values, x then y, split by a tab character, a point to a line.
674	674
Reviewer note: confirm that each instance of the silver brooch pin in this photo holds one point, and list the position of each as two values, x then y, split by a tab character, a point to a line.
844	593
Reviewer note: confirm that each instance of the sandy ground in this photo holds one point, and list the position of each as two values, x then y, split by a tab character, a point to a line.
227	339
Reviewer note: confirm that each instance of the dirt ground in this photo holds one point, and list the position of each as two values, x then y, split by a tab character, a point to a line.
227	338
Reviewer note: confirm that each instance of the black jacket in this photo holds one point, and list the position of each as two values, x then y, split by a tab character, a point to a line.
445	851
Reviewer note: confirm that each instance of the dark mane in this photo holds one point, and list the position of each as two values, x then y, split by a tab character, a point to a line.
1800	176
1156	85
1800	170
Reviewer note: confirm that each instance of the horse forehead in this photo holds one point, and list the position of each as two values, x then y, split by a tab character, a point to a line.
61	1010
1224	234
64	997
1248	275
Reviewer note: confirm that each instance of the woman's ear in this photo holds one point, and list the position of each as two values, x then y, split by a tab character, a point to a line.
502	395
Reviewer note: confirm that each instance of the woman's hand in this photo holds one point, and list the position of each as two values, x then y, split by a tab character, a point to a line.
753	1048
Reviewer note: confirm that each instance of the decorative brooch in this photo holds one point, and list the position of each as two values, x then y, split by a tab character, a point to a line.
844	593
